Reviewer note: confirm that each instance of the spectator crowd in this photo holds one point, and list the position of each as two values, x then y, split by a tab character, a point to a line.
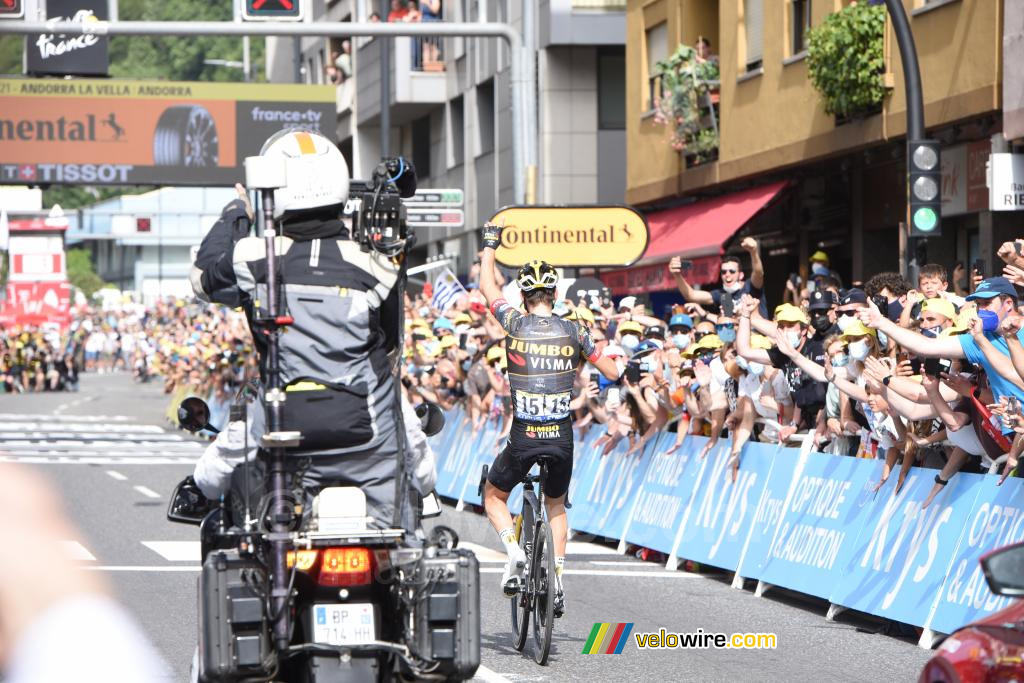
928	372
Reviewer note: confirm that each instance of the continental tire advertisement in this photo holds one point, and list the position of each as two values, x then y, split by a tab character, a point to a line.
103	132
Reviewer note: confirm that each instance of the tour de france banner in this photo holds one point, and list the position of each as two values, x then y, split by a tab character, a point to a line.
997	519
118	132
571	236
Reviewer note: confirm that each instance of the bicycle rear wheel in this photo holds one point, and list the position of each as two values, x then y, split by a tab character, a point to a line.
522	603
544	586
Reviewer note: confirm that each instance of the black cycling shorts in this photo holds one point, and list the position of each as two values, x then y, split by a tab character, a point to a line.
526	444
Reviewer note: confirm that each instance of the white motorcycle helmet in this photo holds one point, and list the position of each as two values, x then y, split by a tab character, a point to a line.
316	172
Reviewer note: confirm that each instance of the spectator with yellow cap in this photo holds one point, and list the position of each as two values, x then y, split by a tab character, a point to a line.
792	325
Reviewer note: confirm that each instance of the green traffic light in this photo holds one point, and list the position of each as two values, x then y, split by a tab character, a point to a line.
925	219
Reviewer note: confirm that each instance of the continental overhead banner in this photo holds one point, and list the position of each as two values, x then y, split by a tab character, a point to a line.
147	132
571	236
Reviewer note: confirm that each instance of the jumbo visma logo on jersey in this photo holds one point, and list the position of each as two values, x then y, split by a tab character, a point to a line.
557	354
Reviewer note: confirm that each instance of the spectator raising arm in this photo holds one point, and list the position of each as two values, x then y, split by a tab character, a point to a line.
999	361
488	281
747	306
696	296
756	267
917	344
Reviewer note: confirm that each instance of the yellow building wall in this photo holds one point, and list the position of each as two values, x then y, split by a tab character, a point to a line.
775	119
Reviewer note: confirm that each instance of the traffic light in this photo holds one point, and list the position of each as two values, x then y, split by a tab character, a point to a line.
924	188
12	9
271	10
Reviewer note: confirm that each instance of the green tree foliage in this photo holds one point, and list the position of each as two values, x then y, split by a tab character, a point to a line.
77	196
165	58
81	274
845	60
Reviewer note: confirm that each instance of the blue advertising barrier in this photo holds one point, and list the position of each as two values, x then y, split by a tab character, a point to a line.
820	507
900	558
664	495
722	511
997	519
807	522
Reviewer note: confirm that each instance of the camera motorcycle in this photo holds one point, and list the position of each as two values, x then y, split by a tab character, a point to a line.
303	585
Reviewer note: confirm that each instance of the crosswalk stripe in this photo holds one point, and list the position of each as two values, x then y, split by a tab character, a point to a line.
155	459
76	551
176	551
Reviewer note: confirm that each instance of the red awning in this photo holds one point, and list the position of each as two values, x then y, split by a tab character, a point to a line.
700	229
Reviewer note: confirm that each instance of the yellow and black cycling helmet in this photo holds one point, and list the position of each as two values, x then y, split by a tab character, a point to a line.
537	275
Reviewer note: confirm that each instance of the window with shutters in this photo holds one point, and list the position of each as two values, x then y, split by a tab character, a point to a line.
753	26
656	42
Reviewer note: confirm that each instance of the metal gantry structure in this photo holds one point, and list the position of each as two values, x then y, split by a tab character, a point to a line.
522	65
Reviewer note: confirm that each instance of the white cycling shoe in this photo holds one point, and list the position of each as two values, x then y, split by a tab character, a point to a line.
512	577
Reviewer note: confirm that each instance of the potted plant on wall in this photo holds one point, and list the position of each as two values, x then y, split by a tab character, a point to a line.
846	61
688	105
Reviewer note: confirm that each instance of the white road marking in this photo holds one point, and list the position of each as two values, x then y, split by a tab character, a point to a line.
176	551
488	676
117	475
147	492
142	568
583	548
42	417
156	459
612	572
627	563
76	551
483	553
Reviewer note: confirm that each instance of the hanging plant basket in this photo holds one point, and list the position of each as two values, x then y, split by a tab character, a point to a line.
686	104
846	61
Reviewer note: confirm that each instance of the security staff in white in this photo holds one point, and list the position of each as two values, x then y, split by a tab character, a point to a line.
336	359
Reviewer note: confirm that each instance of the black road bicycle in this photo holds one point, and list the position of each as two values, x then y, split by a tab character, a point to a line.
535	596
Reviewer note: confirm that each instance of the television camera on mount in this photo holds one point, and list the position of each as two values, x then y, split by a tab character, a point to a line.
313	593
375	205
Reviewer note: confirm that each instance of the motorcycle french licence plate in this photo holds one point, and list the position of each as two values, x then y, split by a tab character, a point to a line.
343	624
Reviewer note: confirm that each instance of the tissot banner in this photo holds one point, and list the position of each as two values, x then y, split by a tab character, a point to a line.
76	55
104	132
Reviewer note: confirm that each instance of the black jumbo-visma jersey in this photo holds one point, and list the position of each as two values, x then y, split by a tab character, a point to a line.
543	355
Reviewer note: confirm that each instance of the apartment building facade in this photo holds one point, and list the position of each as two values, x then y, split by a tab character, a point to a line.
450	106
786	172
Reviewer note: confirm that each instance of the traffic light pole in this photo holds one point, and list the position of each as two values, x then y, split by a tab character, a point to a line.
523	77
915	107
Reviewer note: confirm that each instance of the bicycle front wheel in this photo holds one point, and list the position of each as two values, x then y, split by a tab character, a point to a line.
522	603
544	586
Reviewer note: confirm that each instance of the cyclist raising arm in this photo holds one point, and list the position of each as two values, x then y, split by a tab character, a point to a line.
543	352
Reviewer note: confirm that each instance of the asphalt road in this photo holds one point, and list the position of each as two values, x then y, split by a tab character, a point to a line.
110	452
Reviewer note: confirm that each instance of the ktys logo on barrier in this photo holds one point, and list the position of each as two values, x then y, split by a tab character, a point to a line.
903	552
611	489
997	520
664	494
721	512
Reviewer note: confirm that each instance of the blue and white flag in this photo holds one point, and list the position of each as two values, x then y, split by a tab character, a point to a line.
447	289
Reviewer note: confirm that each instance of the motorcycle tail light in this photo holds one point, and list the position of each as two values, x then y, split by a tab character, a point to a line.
346	567
303	560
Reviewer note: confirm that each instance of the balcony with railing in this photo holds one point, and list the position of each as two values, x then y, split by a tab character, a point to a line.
417	78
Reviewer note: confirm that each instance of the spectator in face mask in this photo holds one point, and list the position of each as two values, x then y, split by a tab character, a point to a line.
821	306
680	326
936	315
893	287
849	305
629	334
808	390
820	268
733	286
